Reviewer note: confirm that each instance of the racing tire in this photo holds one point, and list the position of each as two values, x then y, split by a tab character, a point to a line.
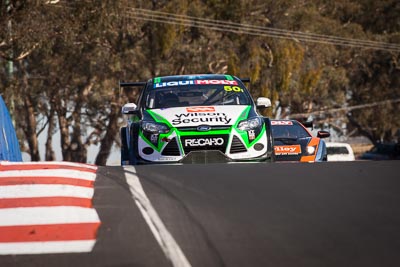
270	149
133	151
324	152
124	146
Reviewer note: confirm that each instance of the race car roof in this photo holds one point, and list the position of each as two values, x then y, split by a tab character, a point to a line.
285	122
174	78
192	77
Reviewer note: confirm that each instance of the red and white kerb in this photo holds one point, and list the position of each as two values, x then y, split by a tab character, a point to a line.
46	207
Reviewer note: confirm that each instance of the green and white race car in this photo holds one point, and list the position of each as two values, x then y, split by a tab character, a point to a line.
195	119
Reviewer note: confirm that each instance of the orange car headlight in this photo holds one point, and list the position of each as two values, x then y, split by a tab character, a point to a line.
311	150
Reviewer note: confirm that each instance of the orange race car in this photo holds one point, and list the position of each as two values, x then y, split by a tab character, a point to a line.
293	142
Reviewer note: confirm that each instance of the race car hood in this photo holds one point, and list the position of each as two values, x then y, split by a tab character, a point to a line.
202	115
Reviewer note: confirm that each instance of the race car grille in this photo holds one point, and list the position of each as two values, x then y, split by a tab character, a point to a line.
171	149
205	142
237	146
287	157
195	129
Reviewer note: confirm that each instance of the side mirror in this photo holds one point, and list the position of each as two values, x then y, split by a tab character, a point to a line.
263	102
129	108
323	134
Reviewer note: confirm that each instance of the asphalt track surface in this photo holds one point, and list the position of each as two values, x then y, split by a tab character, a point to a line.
281	214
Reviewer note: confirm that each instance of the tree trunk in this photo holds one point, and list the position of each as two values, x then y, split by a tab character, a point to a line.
108	139
50	155
63	123
30	130
77	149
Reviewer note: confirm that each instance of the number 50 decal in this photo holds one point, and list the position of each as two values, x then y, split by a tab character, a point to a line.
229	88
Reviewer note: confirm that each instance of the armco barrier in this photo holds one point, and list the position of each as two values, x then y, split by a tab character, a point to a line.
9	146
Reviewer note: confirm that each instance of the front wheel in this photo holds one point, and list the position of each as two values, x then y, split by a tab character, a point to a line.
270	139
133	151
124	146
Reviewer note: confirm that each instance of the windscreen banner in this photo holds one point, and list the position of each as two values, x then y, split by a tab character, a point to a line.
9	146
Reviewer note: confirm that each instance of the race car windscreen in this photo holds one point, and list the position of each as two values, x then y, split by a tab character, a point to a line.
293	131
197	95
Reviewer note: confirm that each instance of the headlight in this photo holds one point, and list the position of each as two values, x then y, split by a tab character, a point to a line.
311	150
250	124
153	127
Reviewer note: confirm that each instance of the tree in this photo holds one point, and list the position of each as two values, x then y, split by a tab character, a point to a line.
64	77
374	75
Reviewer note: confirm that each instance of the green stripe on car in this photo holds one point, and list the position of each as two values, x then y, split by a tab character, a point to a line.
229	77
158	118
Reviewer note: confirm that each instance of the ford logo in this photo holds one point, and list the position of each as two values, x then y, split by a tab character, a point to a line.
203	128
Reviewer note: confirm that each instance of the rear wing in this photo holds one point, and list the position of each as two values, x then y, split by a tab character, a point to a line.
130	84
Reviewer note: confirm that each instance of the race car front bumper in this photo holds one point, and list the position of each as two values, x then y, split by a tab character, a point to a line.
205	156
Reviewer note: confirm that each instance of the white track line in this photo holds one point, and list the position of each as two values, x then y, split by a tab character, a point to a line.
164	238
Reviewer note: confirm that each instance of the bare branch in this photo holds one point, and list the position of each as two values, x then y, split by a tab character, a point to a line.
21	56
